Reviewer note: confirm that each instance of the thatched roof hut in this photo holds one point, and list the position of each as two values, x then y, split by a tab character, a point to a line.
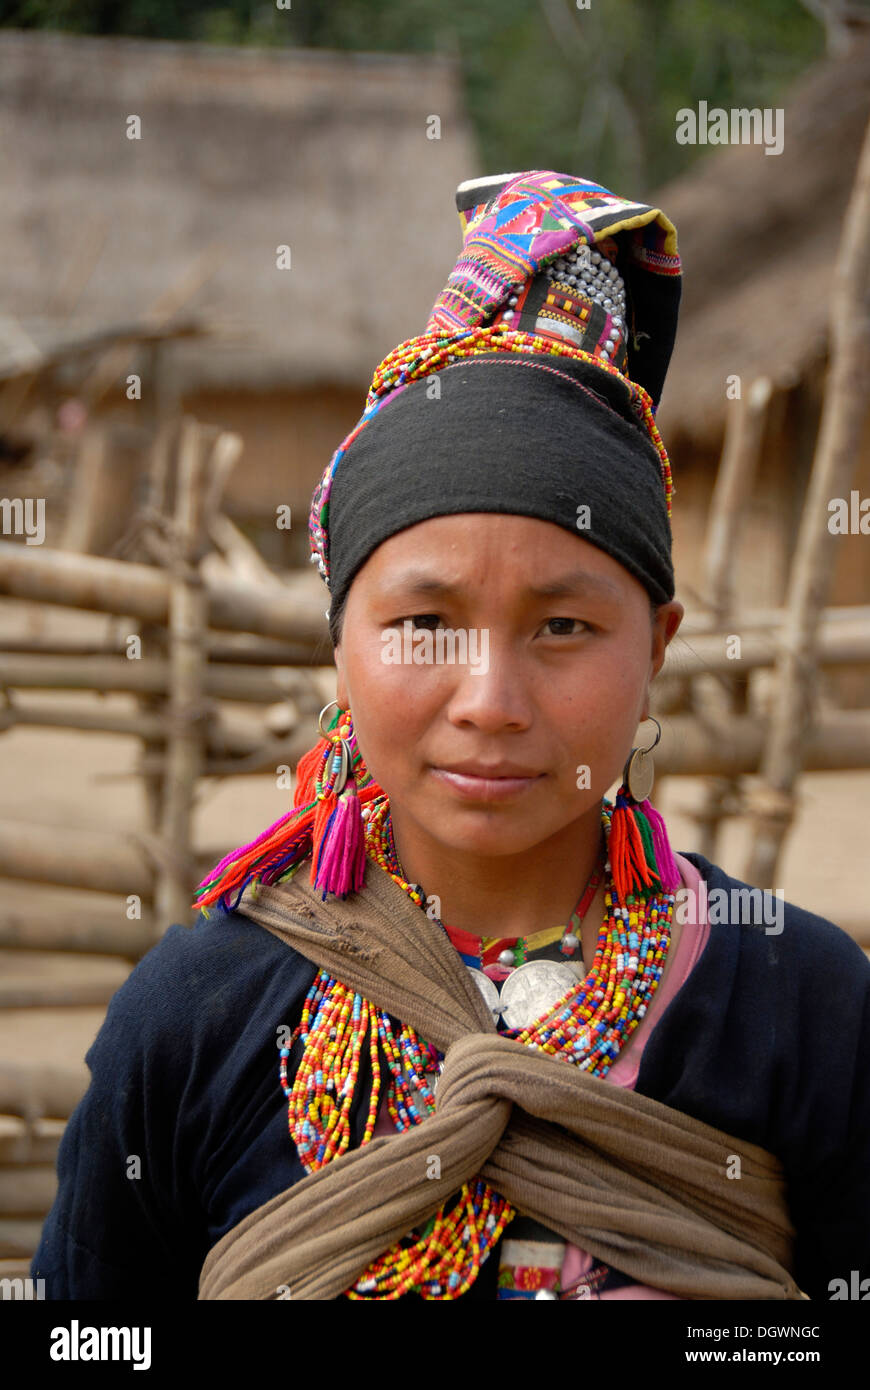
758	235
244	150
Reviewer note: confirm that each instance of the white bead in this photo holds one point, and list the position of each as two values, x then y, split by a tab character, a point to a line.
506	958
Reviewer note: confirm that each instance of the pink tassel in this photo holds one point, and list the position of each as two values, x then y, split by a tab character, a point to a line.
665	863
341	861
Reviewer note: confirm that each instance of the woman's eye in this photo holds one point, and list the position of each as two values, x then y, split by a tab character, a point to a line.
425	619
566	625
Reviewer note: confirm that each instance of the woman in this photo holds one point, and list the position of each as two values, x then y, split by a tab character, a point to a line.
517	1055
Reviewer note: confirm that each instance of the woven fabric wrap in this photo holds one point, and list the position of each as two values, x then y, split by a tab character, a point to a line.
636	1183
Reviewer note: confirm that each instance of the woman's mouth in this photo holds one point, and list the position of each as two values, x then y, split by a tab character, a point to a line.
486	784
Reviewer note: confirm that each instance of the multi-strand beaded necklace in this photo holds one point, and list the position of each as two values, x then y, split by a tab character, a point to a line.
586	1028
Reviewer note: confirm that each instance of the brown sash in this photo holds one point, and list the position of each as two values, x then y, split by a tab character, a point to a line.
637	1184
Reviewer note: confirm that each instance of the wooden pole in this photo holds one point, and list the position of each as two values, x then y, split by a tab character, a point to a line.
243	557
734	481
231	648
844	643
771	619
78	858
142	591
188	620
152	675
86	924
94	859
732	746
843	416
88	488
265	756
21	1142
31	1091
231	740
165	419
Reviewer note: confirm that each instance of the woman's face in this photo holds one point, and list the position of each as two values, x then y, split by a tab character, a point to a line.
562	648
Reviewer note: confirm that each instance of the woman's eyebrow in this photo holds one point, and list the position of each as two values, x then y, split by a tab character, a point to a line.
577	582
572	584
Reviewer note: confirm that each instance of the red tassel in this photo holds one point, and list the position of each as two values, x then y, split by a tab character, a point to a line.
627	855
307	772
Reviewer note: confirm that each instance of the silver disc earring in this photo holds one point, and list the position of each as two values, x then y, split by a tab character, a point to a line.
638	775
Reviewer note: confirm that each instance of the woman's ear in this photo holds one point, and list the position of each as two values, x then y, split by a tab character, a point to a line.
666	621
340	684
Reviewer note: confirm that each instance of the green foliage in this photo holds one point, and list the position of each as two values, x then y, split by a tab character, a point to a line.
547	85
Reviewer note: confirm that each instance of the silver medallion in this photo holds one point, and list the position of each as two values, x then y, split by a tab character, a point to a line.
533	990
488	989
530	992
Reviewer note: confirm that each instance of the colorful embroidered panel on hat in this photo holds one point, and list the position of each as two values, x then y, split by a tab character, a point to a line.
579	298
515	225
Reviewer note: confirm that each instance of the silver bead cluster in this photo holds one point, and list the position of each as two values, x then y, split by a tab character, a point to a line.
317	560
596	278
